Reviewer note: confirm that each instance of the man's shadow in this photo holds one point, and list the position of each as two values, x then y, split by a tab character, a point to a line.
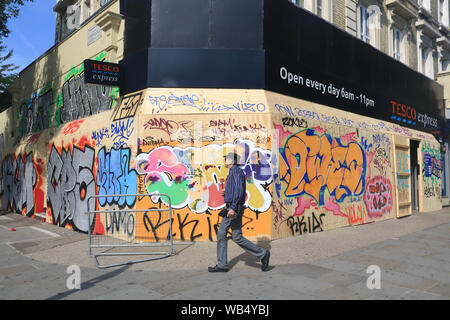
249	259
90	283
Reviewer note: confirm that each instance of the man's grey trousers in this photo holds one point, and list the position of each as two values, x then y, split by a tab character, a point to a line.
222	241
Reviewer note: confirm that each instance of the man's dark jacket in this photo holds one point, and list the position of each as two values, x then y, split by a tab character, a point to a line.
235	188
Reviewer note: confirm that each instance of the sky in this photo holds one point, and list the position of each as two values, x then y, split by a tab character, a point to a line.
32	32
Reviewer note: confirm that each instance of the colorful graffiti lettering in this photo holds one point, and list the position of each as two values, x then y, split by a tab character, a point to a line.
312	164
378	197
431	170
431	165
17	185
115	178
70	185
195	177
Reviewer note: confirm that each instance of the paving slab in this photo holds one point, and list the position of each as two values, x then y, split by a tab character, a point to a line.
412	254
442	289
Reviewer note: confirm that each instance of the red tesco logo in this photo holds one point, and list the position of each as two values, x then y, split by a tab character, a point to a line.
403	110
104	67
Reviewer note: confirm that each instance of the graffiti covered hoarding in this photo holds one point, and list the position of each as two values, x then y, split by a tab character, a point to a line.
328	174
89	157
184	157
23	176
308	169
431	175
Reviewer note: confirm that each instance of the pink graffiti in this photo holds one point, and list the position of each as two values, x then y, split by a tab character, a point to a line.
349	137
378	197
282	134
320	130
163	161
303	204
331	205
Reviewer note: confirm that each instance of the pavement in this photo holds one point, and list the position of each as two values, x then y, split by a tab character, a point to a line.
412	254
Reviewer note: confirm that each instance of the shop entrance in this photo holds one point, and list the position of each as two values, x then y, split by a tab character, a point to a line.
415	169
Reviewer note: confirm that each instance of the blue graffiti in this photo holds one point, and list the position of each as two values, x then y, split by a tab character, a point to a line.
297	112
120	131
365	144
115	178
202	104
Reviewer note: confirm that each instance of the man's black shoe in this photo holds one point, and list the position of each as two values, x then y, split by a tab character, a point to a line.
216	269
265	261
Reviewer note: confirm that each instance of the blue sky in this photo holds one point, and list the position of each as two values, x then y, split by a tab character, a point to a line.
32	32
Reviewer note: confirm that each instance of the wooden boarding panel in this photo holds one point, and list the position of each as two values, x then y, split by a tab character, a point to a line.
403	176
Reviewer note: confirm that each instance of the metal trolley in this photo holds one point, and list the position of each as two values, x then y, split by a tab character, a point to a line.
121	228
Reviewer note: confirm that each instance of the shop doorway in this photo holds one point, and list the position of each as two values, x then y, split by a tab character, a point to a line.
415	169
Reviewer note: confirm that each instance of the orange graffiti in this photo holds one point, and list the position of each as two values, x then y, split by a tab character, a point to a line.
314	163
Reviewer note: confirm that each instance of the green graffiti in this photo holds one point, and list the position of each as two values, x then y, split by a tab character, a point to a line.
431	164
177	189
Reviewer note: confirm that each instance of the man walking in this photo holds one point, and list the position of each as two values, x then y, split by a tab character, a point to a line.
235	199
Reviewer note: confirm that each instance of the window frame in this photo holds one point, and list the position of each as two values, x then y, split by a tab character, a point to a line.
426	4
364	24
443	12
397	38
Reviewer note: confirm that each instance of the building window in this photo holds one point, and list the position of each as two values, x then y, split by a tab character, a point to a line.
299	3
397	44
365	25
319	8
427	62
445	65
426	4
424	60
443	12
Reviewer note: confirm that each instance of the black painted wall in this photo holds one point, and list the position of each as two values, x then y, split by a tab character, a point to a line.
207	24
195	43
